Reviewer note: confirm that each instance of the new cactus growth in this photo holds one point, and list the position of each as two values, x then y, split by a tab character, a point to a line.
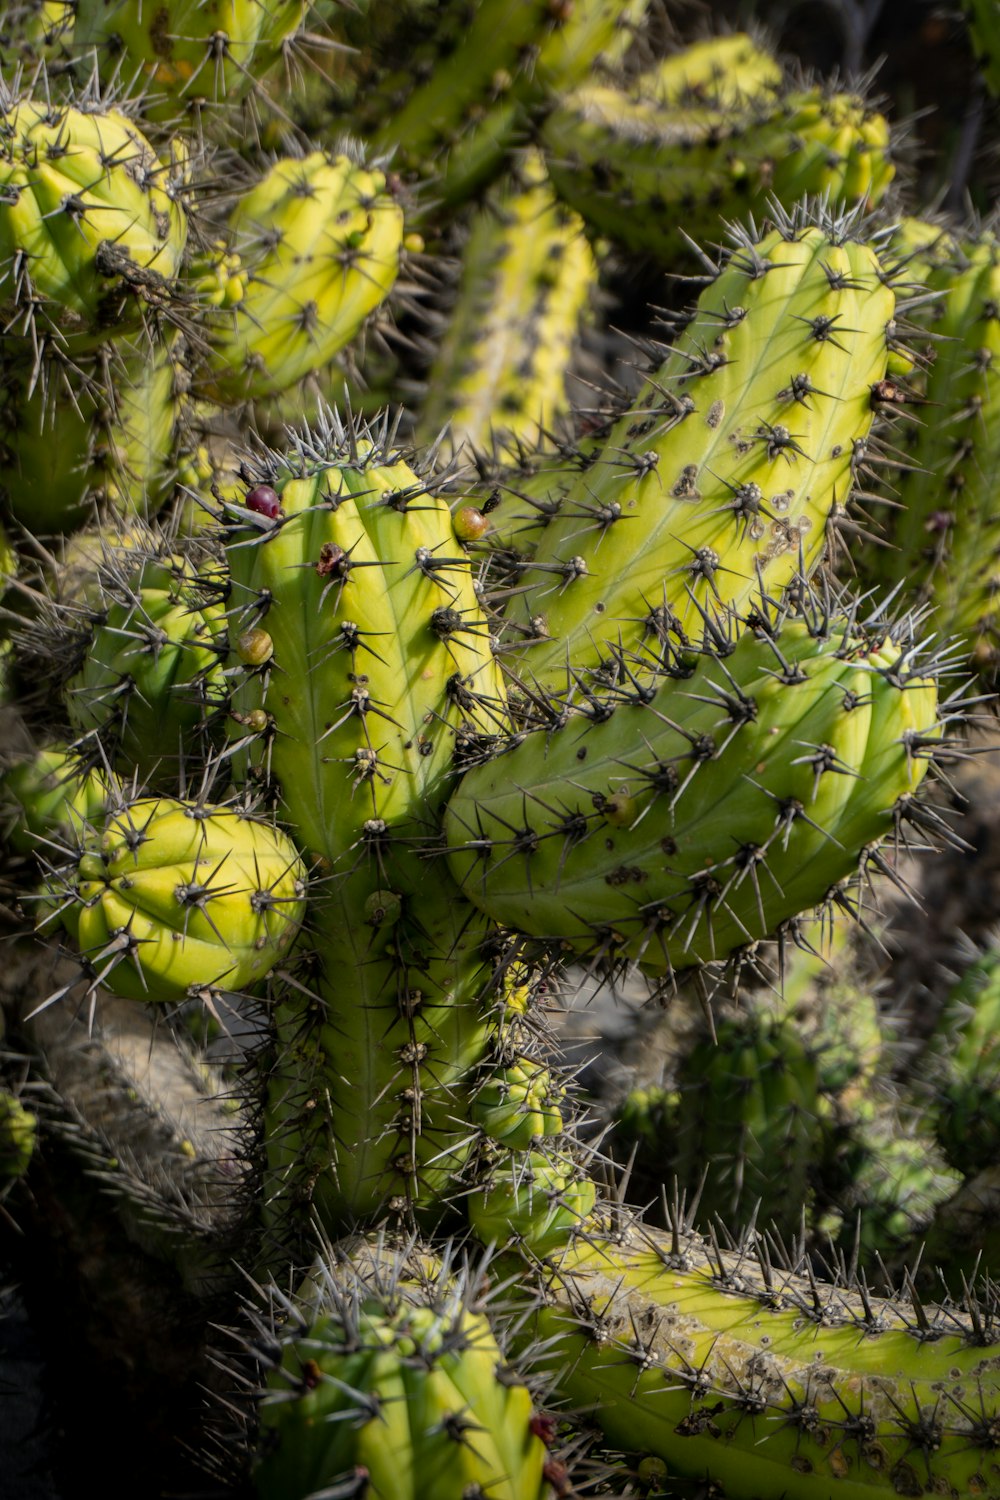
90	227
536	1201
519	1105
152	680
390	1382
320	241
18	1130
51	798
173	898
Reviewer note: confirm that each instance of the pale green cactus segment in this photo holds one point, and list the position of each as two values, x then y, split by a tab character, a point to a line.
89	223
527	277
188	52
984	29
721	71
99	433
944	538
319	239
519	1104
18	1131
773	1384
536	1200
748	1124
697	819
152	684
174	898
961	1068
53	798
727	466
642	172
382	660
398	1386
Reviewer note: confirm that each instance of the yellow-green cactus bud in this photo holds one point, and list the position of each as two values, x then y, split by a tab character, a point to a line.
399	1384
52	797
18	1127
536	1199
519	1105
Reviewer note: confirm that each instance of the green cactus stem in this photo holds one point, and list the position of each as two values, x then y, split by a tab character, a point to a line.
941	529
747	1124
984	30
728	464
378	670
502	65
677	825
960	1069
186	53
527	276
725	1364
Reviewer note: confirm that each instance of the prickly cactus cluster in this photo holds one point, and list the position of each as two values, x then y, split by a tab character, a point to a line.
405	630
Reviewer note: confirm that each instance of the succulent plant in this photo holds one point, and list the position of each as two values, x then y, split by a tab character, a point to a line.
355	735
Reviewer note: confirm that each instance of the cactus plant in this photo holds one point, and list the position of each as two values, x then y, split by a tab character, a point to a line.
401	733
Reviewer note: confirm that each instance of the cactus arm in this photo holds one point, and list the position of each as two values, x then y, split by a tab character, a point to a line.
721	1364
584	831
729	463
